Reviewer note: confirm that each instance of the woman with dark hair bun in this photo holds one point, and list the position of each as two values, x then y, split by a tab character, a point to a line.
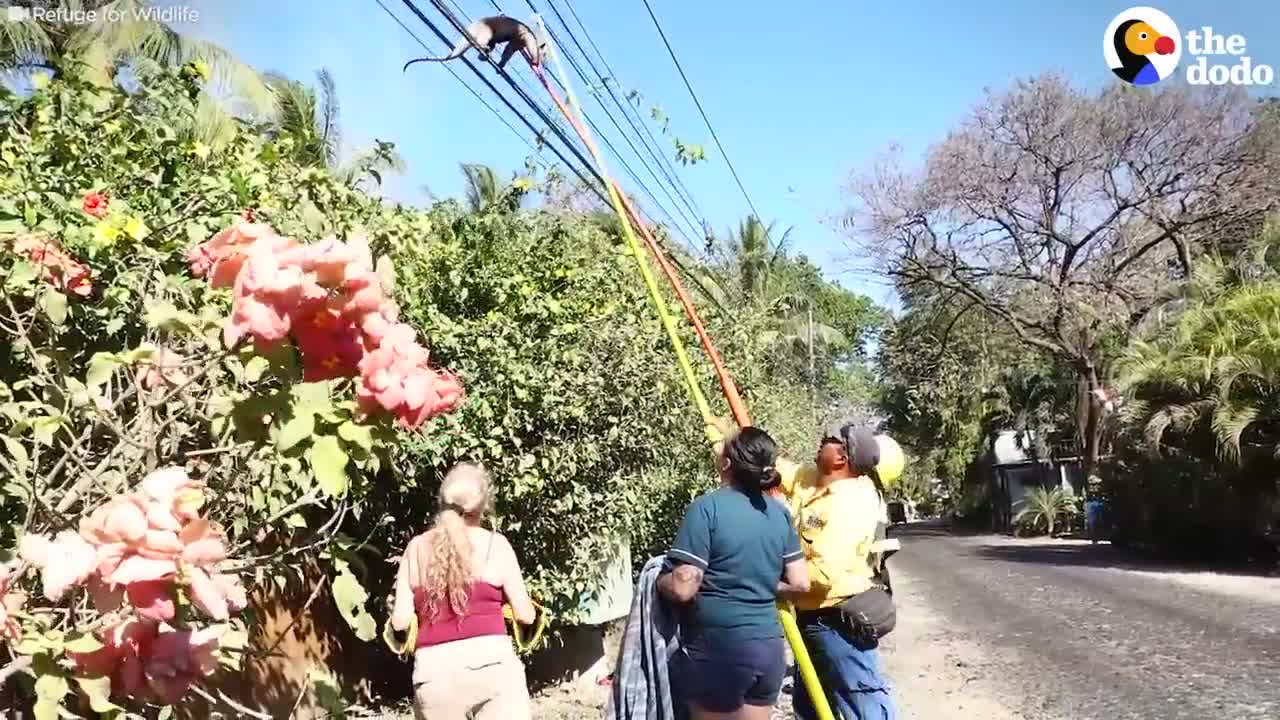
735	551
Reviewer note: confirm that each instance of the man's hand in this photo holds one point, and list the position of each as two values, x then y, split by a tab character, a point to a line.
717	430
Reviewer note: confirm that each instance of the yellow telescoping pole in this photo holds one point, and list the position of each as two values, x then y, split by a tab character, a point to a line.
655	295
786	615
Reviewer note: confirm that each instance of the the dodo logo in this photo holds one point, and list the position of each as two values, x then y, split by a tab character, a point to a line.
1142	46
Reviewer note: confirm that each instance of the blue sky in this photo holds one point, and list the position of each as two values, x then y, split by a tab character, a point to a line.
802	93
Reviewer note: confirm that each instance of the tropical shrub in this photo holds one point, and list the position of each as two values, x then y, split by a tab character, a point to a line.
120	363
1045	509
1196	468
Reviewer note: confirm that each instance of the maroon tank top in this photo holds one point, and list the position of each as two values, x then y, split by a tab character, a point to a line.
483	616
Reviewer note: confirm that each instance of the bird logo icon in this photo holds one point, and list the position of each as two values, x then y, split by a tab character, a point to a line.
1142	46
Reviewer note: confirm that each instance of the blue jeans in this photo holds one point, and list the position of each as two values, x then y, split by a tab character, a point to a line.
850	675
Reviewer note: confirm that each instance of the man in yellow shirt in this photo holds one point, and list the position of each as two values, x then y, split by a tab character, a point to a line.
838	508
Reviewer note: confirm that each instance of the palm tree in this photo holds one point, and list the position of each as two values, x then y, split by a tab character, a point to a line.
756	255
1045	507
1211	366
122	34
483	187
1219	369
310	118
485	190
748	277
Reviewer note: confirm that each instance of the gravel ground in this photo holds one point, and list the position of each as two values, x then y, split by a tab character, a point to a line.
937	673
996	628
1057	630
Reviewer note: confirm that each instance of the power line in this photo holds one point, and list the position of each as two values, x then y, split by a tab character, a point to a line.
524	79
585	79
628	111
556	130
696	227
455	75
608	143
542	114
705	119
621	158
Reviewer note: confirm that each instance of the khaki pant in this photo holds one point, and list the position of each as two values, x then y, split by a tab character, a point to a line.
479	678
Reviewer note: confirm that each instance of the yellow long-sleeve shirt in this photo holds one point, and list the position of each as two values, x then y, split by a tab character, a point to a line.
837	526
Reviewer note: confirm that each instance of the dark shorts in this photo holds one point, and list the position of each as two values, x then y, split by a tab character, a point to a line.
726	677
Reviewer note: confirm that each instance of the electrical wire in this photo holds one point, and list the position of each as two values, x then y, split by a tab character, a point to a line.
671	219
693	225
705	119
669	169
457	77
597	188
676	203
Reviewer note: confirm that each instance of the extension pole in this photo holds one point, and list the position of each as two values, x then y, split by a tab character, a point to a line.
727	385
655	294
628	216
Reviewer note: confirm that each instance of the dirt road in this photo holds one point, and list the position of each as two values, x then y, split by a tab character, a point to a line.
995	627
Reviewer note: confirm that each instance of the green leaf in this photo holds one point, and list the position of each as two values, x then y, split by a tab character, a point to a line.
386	273
165	314
98	690
313	218
17	452
299	428
312	397
366	629
355	434
348	595
328	692
160	313
44	428
50	690
101	366
85	643
54	305
22	274
145	351
329	463
254	368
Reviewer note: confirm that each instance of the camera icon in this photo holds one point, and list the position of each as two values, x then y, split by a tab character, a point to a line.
19	14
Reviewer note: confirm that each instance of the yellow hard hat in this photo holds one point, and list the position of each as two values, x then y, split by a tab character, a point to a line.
892	460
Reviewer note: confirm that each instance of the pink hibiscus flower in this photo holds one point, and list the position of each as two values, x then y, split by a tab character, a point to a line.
121	656
177	658
222	256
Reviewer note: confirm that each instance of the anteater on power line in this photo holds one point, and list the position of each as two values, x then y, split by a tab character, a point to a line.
488	32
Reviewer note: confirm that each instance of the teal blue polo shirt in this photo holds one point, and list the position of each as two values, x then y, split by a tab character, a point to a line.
741	543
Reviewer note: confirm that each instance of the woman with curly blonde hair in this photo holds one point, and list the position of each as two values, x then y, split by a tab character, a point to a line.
454	578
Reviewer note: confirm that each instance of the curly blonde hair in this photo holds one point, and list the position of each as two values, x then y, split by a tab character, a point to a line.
444	570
